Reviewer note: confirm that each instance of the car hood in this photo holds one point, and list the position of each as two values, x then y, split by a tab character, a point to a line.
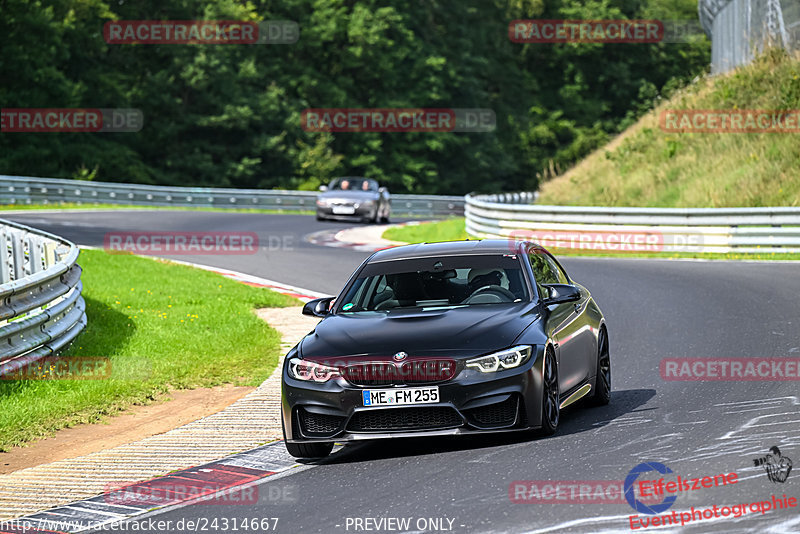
358	196
456	332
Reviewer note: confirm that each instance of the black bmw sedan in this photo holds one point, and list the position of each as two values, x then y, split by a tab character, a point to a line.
439	339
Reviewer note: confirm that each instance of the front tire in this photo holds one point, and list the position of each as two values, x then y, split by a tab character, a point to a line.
309	450
602	382
551	407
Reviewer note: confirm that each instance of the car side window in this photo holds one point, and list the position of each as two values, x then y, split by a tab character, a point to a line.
544	269
557	270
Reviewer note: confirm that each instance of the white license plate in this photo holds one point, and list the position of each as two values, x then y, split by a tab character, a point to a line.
401	396
343	210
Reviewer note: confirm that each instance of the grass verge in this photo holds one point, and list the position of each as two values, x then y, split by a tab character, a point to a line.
447	230
454	230
647	166
164	326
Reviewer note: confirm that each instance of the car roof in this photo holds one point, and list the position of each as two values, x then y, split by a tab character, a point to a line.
447	248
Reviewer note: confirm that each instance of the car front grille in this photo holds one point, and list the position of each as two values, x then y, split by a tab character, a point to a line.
412	372
314	424
499	414
390	419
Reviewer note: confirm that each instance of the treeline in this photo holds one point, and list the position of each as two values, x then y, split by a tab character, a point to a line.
230	115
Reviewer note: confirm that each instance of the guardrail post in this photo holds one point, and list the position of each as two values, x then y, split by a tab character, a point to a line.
50	254
5	261
35	254
18	255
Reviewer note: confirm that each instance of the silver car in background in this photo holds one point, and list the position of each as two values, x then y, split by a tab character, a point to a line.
352	197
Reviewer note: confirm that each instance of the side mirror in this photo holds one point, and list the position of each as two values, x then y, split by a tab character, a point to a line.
318	307
382	190
560	293
323	188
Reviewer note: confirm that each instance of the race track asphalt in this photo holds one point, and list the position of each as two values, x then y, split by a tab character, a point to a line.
654	309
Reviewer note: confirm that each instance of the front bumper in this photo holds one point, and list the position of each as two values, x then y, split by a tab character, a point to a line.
361	212
470	403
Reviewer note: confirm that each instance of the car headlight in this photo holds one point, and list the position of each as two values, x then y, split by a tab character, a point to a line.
322	203
505	359
311	371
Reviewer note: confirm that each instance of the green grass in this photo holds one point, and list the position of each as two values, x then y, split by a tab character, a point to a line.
646	166
164	326
447	230
99	206
454	230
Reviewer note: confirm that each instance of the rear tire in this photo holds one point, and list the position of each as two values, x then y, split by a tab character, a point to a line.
602	382
551	403
309	450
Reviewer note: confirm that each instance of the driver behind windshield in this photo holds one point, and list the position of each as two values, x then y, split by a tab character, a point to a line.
431	282
479	278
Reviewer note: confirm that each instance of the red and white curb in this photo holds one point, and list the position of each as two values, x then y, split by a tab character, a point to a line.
226	481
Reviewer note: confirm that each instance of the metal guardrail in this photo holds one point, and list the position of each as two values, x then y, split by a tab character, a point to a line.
745	230
41	307
30	190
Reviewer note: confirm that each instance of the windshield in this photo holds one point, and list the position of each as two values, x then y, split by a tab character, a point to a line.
437	282
353	184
